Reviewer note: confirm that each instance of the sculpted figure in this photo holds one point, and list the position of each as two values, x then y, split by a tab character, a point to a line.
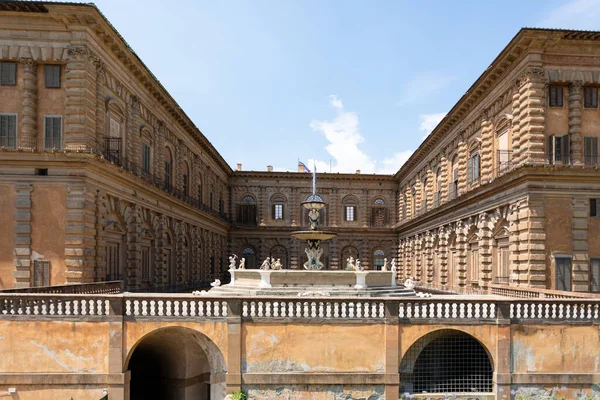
242	263
409	283
216	283
357	266
350	263
266	264
232	259
313	219
384	267
276	264
394	269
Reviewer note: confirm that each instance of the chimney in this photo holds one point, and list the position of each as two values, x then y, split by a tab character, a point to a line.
300	167
358	171
270	168
239	166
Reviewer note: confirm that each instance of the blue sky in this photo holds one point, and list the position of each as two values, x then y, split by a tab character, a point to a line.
360	83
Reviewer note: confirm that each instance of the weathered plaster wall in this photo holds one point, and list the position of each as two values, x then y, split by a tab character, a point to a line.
555	349
7	224
314	392
48	217
313	348
56	392
53	346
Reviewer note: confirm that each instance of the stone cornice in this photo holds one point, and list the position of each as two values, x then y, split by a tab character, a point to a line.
307	177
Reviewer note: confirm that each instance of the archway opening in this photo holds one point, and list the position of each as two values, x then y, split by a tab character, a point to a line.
176	363
446	361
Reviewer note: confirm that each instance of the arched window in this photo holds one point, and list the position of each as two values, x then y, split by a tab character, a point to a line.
404	205
146	148
446	361
247	210
473	165
413	201
278	202
423	205
473	259
199	188
453	192
350	208
378	259
250	255
501	254
279	253
503	148
168	169
379	214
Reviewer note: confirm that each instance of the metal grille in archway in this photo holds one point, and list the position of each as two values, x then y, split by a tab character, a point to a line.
446	361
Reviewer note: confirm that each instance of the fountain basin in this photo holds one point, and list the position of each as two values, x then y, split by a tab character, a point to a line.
313	235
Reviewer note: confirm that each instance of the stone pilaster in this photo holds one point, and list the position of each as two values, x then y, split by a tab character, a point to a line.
408	257
463	156
484	226
101	213
487	148
364	208
197	254
28	138
159	153
581	262
400	259
575	123
531	117
401	204
516	126
101	101
80	234
429	257
295	254
22	237
409	201
514	239
418	257
334	260
80	100
262	206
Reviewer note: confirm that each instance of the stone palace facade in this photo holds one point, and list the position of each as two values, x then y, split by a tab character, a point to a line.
104	177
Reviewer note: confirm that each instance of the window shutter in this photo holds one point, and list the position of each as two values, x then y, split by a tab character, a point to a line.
8	73
595	275
566	152
593	208
345	213
273	211
37	273
355	213
587	147
476	165
594	148
57	75
455	174
46	273
550	148
470	170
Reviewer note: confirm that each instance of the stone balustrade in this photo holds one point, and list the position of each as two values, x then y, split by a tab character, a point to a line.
529	293
440	309
110	287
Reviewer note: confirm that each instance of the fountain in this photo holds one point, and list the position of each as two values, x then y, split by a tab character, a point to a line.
313	280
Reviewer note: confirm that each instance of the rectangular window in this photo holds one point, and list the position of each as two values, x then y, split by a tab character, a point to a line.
595	275
277	211
473	168
52	76
221	207
590	151
556	96
559	149
114	128
8	131
41	273
594	208
247	214
563	273
350	213
200	193
185	184
590	97
8	73
146	157
167	175
113	261
145	262
52	133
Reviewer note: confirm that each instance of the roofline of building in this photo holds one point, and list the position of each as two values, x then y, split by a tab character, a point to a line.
444	125
46	7
305	175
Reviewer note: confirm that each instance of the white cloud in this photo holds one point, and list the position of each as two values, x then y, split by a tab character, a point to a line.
574	14
423	86
343	134
428	122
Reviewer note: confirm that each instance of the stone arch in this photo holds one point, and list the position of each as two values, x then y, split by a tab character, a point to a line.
176	363
447	361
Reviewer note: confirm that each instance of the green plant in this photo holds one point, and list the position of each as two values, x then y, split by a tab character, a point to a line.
238	395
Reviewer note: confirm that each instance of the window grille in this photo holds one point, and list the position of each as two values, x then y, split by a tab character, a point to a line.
41	273
350	213
278	211
446	361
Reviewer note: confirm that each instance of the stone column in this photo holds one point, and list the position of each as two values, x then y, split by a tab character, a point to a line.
80	100
461	253
409	196
159	153
463	156
364	208
516	125
575	123
22	238
443	245
418	197
101	213
133	267
581	262
485	226
262	206
534	249
28	137
418	257
101	100
401	204
531	117
429	257
400	259
80	234
487	149
514	239
159	242
197	254
444	176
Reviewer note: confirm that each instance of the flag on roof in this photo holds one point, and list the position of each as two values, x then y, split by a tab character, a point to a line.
304	166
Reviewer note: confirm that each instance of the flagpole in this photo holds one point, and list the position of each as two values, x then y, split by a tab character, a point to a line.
314	178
